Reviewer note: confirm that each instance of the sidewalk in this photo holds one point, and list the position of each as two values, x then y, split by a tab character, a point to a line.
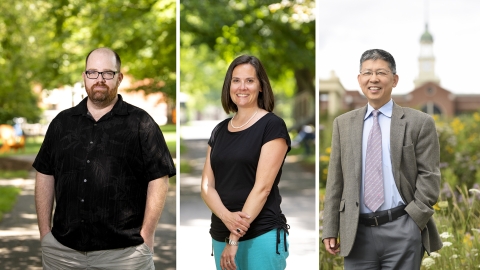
297	188
19	236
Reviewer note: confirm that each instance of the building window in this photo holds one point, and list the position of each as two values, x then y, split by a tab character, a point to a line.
430	91
431	108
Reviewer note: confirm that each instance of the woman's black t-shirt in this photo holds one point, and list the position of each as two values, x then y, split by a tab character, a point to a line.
234	159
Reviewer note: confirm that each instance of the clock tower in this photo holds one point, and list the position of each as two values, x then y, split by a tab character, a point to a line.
426	60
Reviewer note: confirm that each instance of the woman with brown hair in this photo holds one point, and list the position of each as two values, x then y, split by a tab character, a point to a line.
242	171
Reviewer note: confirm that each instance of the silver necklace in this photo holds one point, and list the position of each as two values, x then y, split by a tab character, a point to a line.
231	121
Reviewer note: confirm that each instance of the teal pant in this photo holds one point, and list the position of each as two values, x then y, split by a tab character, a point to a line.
257	253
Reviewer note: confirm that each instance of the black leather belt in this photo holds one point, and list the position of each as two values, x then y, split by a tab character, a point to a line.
382	217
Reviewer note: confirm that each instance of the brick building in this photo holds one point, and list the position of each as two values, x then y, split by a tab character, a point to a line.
428	96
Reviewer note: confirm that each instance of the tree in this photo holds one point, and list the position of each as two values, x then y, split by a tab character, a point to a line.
16	96
44	42
281	34
141	31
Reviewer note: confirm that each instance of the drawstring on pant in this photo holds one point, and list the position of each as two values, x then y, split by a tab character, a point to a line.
285	230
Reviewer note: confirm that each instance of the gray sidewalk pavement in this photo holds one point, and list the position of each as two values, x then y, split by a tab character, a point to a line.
297	187
19	236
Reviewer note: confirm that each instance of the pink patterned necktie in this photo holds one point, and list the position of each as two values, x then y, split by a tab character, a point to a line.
374	196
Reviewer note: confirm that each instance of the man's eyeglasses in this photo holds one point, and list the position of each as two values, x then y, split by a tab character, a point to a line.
379	73
106	75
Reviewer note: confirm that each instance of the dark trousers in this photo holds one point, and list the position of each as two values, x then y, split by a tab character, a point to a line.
393	245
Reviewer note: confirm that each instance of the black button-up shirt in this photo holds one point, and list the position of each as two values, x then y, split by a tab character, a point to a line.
101	171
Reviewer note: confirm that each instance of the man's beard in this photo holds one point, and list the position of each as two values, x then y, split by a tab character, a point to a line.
101	97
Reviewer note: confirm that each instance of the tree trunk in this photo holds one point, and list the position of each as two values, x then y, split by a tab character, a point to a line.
305	80
304	106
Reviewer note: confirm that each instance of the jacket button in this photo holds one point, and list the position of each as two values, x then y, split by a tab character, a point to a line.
356	203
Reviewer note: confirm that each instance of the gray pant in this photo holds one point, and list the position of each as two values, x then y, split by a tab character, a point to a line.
394	245
57	256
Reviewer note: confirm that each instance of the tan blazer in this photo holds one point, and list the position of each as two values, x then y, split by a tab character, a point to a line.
415	155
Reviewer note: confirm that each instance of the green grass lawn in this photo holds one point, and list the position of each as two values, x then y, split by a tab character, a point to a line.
8	197
170	135
13	174
185	166
8	194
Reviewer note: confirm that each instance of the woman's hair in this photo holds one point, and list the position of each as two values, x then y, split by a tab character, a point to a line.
265	97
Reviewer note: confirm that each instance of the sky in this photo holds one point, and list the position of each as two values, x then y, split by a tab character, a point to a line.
345	29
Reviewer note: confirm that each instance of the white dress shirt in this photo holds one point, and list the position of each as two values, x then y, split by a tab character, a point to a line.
392	196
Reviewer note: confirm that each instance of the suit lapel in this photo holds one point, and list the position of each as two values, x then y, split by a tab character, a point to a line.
356	122
397	134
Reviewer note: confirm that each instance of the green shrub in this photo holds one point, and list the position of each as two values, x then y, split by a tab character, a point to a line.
458	210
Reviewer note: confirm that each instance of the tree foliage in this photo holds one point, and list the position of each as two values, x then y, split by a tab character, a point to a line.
281	34
45	42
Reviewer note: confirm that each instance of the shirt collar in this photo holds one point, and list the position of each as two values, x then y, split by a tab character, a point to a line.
386	109
119	108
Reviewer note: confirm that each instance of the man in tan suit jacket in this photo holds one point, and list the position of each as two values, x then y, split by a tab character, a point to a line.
396	235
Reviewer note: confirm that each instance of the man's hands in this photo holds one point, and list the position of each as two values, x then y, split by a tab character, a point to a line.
44	198
331	245
148	239
43	233
235	223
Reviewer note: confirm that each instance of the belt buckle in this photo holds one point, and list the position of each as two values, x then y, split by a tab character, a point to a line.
376	221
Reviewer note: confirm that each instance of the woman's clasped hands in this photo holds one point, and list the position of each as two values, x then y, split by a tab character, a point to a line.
238	225
236	222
